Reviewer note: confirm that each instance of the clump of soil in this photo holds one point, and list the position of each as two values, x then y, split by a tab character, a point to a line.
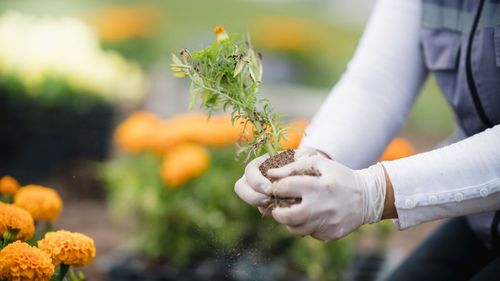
281	159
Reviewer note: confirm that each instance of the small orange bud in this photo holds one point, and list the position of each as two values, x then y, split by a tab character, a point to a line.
221	33
8	185
219	29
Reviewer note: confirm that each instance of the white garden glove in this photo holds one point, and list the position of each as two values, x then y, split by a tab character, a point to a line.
307	151
255	189
333	204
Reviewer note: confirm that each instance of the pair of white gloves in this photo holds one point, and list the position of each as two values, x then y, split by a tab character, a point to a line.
333	204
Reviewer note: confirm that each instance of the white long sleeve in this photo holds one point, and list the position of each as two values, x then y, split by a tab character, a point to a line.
371	102
374	96
459	179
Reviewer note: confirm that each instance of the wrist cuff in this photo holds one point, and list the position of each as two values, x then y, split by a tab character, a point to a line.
374	185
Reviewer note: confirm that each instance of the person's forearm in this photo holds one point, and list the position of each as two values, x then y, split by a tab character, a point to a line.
372	99
460	179
389	208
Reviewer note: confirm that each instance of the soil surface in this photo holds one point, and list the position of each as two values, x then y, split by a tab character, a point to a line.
284	158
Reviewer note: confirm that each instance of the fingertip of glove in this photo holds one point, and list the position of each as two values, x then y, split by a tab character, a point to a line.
237	184
276	172
265	201
265	187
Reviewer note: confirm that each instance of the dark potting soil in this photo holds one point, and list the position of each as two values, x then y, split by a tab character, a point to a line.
281	159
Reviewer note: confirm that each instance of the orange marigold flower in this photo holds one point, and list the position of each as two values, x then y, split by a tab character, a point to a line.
8	185
70	248
221	33
22	262
144	131
398	148
119	23
136	132
176	130
183	163
13	218
43	203
287	34
294	134
219	131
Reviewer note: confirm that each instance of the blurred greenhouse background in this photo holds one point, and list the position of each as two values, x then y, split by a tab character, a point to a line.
86	88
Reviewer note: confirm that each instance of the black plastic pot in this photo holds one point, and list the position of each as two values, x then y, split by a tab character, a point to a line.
37	138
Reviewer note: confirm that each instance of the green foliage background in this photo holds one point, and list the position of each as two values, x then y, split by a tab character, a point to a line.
193	221
189	22
205	218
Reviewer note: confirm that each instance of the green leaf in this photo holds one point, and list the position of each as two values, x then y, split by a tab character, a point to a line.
176	60
239	67
226	76
195	95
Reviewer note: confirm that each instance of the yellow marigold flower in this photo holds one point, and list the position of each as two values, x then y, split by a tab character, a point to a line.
22	262
221	33
294	134
70	248
13	218
397	148
183	163
8	185
136	132
43	203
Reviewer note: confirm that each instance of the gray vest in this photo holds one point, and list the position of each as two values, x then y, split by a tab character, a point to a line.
460	42
461	46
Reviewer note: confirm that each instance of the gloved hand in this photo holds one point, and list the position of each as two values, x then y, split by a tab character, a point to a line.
254	188
333	204
307	151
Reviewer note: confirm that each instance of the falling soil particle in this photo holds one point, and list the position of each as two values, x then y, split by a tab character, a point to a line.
281	159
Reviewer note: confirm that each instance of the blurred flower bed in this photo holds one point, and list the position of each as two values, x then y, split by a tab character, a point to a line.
30	249
59	92
304	43
132	30
175	178
61	83
55	58
297	48
315	49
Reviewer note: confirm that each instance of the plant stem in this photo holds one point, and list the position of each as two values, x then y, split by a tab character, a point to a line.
6	198
270	149
63	269
8	237
47	228
268	146
73	276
